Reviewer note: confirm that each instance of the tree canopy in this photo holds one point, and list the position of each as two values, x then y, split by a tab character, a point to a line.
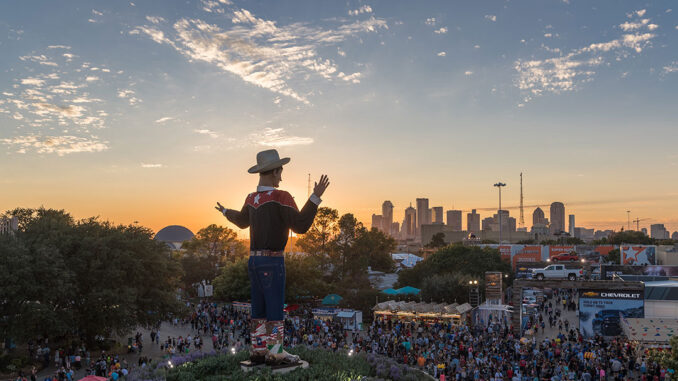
212	247
84	278
445	273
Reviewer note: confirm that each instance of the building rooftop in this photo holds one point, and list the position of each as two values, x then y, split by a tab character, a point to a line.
174	233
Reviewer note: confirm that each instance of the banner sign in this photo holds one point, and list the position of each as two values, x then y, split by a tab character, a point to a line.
558	250
600	310
493	286
607	271
638	255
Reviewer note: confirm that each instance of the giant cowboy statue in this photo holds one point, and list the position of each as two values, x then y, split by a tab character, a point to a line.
270	214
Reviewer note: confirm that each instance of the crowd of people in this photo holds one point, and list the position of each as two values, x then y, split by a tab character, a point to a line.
459	352
488	351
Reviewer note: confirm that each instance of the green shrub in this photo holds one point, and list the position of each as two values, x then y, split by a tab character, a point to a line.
324	365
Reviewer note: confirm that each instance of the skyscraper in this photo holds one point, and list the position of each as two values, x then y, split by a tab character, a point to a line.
377	220
571	225
538	217
422	212
557	217
658	231
454	220
410	222
387	216
473	222
438	215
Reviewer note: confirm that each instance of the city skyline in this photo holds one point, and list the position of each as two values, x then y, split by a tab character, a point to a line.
137	112
540	221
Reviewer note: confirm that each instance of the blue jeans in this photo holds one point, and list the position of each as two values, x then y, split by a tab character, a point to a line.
267	279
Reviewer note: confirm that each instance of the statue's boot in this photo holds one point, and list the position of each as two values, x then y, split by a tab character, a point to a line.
276	354
259	338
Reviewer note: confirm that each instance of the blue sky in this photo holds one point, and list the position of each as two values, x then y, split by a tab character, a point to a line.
117	108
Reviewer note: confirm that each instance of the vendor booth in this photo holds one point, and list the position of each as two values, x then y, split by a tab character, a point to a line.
492	314
242	307
351	319
421	312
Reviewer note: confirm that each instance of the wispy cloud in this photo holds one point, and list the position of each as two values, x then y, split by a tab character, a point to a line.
259	51
164	119
442	30
566	72
361	10
442	54
210	133
277	137
431	21
468	72
492	18
55	98
61	145
145	165
129	95
671	68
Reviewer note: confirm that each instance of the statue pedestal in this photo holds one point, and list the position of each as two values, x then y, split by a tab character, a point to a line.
247	366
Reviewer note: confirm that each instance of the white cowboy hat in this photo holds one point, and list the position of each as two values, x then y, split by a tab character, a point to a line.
267	160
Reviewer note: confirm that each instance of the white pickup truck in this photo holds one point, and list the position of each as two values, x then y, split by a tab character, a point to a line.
557	272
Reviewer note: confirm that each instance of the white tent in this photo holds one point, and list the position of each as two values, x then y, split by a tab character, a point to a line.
406	259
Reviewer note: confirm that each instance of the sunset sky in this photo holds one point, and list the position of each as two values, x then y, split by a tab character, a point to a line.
152	111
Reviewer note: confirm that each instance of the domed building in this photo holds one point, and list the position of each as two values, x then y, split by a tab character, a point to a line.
174	235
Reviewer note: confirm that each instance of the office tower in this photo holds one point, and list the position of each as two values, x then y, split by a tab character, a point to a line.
377	220
454	220
658	231
644	230
387	216
557	217
488	223
438	215
473	222
538	217
8	225
422	212
395	229
674	236
410	222
572	226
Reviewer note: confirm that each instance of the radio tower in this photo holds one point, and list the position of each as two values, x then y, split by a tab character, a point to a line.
522	214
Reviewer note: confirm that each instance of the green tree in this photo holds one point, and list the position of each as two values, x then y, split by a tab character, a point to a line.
448	288
470	261
630	237
211	248
217	242
668	359
304	278
376	247
87	277
438	240
318	238
344	258
614	256
233	283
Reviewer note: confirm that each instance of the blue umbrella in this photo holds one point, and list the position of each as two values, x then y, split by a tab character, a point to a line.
331	300
407	290
390	291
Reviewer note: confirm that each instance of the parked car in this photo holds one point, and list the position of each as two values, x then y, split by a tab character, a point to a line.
557	272
571	257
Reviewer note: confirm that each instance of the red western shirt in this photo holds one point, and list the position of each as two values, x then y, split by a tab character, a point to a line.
270	214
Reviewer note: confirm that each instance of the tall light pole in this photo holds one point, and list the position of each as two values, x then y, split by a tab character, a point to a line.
499	185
